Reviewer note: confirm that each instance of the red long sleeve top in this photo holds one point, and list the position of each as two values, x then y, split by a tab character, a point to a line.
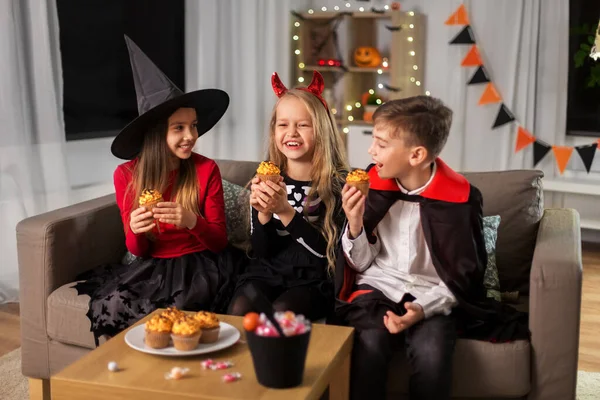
209	232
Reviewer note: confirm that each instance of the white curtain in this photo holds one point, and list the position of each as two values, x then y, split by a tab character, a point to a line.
236	45
33	175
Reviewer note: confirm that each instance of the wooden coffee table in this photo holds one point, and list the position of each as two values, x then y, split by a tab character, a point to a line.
142	375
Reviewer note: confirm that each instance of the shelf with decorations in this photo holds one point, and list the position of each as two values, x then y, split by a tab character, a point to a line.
359	54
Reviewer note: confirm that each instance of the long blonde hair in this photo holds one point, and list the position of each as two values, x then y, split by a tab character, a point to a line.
152	172
329	164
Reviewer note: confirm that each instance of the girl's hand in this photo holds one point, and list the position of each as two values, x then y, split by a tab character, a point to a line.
256	200
174	214
275	196
141	221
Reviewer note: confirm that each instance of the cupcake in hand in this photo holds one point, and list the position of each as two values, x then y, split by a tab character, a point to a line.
210	325
267	171
186	334
158	332
359	179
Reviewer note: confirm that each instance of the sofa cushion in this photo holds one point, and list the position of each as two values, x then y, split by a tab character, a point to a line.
67	321
481	369
517	197
490	277
238	172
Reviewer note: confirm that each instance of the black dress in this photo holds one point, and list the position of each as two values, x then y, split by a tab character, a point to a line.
293	257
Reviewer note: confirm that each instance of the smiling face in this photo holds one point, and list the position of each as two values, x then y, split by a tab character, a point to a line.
294	130
367	57
393	155
182	133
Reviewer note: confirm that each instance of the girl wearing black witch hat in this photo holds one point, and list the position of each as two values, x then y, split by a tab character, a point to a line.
175	241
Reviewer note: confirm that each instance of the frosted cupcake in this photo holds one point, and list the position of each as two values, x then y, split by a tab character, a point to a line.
359	179
158	332
210	325
267	171
173	314
186	334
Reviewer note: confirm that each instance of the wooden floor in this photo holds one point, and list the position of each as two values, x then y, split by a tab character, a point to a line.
589	345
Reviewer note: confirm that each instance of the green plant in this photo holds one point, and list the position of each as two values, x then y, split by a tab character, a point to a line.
372	99
582	55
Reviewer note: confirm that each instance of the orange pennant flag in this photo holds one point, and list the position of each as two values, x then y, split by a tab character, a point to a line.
473	58
524	139
459	17
490	95
562	155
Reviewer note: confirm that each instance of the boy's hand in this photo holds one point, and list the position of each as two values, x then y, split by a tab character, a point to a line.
353	203
396	324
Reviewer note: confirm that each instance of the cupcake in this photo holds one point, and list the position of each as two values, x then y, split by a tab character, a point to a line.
209	323
359	179
186	334
150	198
158	332
173	314
267	171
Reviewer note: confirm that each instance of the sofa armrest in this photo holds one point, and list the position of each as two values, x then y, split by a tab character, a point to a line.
53	248
555	305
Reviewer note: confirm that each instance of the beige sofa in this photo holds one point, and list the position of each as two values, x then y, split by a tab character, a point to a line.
538	253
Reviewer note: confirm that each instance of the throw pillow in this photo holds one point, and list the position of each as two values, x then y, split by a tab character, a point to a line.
237	203
490	277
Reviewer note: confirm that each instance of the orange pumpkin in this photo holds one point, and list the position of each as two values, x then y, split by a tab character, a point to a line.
367	57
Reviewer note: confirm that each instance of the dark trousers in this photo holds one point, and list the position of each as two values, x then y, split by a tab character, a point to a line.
429	347
306	300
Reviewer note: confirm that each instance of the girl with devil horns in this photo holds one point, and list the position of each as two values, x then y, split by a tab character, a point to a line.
295	223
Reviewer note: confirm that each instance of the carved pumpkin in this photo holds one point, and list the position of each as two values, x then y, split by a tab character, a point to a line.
367	57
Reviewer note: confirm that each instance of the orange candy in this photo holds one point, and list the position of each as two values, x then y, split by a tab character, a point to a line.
251	321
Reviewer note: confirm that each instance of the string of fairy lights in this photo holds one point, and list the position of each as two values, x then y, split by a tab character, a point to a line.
384	65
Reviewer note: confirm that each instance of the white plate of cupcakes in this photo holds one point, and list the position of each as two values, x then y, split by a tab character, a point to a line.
176	333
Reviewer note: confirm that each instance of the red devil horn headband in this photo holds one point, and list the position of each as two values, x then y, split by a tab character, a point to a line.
316	86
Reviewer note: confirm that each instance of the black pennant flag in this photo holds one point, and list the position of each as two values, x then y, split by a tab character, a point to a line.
587	154
504	117
540	149
464	37
480	76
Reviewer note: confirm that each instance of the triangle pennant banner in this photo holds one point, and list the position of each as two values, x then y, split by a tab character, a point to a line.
464	37
587	154
480	76
504	117
459	17
490	95
473	58
524	139
562	155
540	150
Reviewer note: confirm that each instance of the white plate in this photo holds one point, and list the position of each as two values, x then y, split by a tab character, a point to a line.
228	336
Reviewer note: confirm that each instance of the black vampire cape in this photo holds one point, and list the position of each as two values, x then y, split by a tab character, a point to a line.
452	222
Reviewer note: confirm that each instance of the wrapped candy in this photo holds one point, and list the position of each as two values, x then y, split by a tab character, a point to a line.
176	373
234	376
290	323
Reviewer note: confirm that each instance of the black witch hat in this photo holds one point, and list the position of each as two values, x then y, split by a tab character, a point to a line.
158	97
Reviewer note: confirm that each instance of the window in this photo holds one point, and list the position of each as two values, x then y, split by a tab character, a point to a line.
583	109
99	95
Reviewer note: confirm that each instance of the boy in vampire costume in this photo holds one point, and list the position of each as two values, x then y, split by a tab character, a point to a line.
413	256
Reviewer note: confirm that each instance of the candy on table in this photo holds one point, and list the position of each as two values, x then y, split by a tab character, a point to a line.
176	373
232	377
112	366
216	365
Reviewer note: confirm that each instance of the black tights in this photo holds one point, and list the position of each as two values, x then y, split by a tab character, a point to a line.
305	300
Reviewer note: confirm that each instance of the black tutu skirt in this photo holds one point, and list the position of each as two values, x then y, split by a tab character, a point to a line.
120	295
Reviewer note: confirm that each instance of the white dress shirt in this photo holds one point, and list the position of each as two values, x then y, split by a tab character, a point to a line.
400	261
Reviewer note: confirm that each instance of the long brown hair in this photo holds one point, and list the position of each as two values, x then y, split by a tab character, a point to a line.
329	164
152	171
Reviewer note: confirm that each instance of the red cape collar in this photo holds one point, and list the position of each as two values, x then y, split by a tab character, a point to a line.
447	185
